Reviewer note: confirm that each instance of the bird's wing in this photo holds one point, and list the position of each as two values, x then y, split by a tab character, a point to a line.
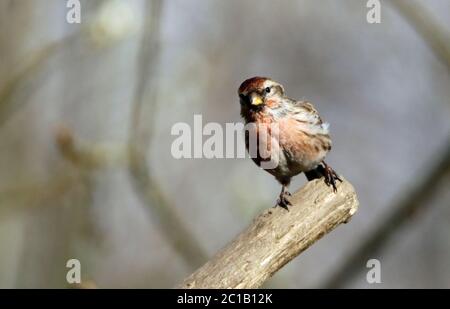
306	113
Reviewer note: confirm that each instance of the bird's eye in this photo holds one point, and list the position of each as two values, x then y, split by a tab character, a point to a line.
267	89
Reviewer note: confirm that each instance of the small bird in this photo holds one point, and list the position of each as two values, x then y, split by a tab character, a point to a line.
303	139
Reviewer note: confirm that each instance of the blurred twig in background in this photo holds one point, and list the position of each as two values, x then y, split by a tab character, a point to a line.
27	72
89	156
416	198
33	67
421	19
32	193
36	193
413	200
144	109
86	285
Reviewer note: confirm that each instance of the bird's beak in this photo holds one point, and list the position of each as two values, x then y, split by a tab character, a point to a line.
255	99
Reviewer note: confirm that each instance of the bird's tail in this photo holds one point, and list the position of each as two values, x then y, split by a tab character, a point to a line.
324	170
316	173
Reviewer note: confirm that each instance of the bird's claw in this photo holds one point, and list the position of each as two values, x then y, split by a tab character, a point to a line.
331	177
283	202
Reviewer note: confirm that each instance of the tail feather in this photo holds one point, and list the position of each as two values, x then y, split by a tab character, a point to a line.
316	173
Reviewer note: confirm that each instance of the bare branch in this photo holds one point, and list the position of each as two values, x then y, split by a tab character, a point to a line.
276	237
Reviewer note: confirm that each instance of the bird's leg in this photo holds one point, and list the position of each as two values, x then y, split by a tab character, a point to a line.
330	176
284	190
282	200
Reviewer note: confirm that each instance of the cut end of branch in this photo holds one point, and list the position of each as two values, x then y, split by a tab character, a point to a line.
277	236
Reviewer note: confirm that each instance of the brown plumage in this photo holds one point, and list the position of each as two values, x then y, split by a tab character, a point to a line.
297	140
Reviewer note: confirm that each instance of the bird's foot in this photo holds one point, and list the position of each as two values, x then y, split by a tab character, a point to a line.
330	176
283	201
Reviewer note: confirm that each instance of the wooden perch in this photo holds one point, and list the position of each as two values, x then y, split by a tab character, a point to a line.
277	236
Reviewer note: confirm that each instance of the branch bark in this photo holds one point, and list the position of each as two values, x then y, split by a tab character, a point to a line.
276	237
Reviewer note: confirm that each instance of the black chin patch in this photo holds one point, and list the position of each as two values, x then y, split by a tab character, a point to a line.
245	100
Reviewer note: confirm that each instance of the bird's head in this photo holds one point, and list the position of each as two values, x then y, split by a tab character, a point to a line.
256	92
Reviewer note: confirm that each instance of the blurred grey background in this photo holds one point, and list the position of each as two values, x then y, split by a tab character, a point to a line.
75	97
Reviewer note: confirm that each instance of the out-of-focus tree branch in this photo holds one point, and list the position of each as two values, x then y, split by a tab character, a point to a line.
421	19
95	32
31	194
90	155
412	201
82	155
144	109
416	198
85	285
28	72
